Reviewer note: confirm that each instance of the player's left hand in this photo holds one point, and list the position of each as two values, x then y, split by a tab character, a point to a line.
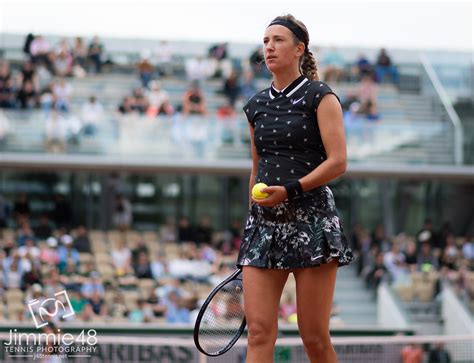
277	195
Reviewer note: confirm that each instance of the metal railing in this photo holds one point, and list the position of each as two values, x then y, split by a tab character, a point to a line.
448	107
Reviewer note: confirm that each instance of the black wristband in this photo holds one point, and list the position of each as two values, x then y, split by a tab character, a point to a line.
293	189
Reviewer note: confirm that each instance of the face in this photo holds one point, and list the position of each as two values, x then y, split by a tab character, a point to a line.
279	48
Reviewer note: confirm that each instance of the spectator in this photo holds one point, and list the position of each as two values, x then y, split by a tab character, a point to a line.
426	261
66	252
362	67
27	45
31	277
176	311
159	267
159	102
28	74
47	100
380	239
126	106
367	92
95	54
378	273
13	275
70	277
122	258
164	59
185	231
63	61
140	247
468	249
92	113
79	53
333	66
193	101
384	66
232	89
412	353
78	302
49	254
139	101
257	63
218	56
141	313
411	257
145	70
21	207
27	96
142	267
93	285
43	230
24	233
29	249
55	140
7	91
155	304
443	235
427	234
118	307
438	354
96	304
394	261
40	52
62	92
122	216
62	214
197	69
82	242
168	231
204	231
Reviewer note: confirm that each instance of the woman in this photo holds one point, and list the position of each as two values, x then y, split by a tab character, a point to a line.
298	145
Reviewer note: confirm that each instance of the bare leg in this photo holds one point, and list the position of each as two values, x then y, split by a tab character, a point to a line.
262	292
314	294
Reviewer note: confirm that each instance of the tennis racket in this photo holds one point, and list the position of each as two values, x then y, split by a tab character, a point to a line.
221	319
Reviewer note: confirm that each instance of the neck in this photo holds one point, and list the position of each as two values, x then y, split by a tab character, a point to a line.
284	79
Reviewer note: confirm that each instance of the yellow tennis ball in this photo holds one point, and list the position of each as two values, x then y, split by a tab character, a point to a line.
257	191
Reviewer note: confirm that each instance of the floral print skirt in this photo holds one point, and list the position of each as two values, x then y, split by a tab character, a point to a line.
305	232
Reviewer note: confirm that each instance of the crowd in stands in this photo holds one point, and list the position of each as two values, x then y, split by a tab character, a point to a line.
361	102
45	82
417	266
121	275
129	276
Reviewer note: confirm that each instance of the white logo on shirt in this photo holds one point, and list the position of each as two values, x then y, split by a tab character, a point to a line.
294	102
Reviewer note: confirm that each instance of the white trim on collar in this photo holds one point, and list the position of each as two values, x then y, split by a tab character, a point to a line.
297	87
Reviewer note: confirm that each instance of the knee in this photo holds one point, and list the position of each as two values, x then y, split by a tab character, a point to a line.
260	333
317	345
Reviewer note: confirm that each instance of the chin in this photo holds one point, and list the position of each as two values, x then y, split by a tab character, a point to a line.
273	67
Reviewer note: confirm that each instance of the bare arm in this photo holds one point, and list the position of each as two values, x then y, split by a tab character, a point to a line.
331	126
255	159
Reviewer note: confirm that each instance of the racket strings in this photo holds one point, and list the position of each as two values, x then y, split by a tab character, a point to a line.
223	318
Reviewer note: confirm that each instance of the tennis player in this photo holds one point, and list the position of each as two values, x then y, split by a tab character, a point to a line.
298	146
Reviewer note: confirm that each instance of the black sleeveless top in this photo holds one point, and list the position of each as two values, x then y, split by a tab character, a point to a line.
286	132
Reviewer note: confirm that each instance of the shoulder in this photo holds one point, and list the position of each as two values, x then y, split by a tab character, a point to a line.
258	97
317	90
251	106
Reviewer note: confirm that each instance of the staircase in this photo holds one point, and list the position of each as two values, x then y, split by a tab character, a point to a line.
356	304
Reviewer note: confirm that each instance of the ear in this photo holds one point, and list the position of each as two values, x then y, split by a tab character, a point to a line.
300	48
